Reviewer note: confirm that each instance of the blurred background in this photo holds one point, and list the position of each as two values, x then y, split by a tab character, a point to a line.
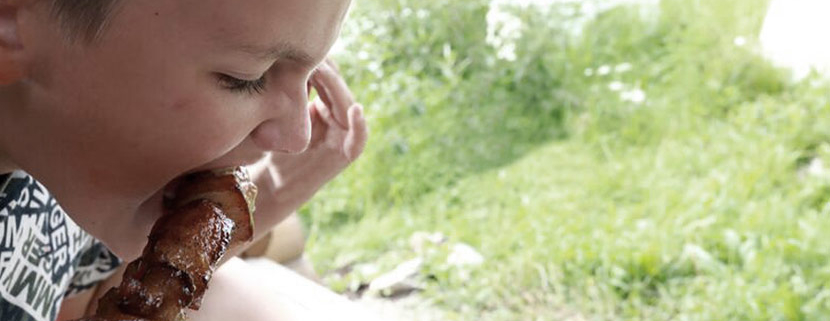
583	160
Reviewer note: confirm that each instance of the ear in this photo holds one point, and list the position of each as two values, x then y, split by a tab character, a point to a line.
11	48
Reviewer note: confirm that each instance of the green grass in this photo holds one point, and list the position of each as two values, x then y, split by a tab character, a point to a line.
692	205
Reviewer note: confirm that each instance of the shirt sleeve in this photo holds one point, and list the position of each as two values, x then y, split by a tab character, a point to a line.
96	264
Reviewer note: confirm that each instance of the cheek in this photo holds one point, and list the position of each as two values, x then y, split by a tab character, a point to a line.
125	116
151	135
199	129
144	121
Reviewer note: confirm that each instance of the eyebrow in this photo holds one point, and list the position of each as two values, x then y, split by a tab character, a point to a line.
282	50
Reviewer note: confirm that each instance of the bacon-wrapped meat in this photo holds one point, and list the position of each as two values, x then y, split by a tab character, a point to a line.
210	213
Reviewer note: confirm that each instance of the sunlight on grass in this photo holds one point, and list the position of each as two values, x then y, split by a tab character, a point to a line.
650	167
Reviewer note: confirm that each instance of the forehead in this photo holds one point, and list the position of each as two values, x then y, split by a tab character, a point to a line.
309	25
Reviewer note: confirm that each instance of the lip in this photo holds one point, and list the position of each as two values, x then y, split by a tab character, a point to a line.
168	191
243	155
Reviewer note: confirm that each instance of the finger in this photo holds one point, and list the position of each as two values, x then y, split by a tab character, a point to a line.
322	94
338	97
358	133
334	92
323	111
333	64
323	100
318	123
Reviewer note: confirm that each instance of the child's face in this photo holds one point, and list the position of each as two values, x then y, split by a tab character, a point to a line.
152	98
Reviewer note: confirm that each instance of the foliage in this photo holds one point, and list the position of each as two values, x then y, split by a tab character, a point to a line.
642	167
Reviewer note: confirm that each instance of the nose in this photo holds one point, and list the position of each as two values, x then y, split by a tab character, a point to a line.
289	130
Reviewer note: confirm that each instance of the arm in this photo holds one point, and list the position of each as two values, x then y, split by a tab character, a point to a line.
243	291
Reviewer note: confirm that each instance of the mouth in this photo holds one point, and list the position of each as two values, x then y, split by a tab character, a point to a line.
225	164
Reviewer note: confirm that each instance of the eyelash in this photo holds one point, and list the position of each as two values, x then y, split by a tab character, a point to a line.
237	85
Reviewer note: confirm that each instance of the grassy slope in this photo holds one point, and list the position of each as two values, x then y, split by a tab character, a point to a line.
689	206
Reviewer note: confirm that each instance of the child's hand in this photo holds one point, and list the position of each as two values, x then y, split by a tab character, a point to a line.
337	121
338	130
338	136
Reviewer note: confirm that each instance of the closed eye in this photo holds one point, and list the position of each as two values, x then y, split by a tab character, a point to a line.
237	85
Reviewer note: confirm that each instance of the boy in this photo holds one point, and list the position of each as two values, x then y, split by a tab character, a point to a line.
106	102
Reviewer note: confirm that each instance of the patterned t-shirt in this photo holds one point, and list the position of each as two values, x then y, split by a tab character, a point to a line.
44	255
